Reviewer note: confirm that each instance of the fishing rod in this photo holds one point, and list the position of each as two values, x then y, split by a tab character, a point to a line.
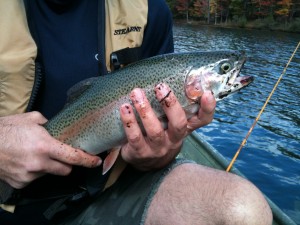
261	111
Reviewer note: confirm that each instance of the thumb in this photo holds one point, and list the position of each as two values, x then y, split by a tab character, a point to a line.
35	117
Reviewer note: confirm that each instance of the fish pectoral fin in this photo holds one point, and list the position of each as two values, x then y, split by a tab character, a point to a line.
110	159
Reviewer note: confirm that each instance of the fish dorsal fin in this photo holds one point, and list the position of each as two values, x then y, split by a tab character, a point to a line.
75	91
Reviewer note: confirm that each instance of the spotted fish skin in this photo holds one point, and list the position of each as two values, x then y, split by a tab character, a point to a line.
92	121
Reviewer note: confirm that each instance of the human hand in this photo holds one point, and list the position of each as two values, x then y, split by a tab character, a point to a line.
159	147
27	151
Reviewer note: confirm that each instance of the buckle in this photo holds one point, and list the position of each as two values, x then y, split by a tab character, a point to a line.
114	61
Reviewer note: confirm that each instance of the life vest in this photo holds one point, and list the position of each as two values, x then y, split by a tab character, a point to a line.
17	55
125	22
125	25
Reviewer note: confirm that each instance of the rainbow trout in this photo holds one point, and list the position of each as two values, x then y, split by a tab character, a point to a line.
91	119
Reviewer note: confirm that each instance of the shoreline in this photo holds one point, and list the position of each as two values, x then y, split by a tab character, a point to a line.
248	26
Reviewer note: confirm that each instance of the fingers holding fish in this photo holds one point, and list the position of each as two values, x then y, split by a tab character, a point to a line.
57	168
153	128
152	151
205	114
177	121
35	152
133	132
66	154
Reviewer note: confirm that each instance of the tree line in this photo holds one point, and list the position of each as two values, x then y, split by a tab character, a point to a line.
241	12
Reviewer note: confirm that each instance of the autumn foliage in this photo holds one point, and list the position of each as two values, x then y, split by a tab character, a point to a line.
220	11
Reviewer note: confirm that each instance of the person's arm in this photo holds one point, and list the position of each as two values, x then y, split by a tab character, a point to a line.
27	151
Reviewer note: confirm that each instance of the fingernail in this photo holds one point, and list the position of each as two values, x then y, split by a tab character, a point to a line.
138	96
126	109
99	162
210	97
164	95
162	91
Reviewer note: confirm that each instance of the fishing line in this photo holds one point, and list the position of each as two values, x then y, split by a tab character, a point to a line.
261	111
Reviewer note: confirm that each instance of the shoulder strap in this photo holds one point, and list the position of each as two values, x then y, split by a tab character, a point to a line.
101	38
124	56
125	24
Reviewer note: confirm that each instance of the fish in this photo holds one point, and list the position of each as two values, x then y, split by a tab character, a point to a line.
91	119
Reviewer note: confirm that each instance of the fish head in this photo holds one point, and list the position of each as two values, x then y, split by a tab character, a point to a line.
221	77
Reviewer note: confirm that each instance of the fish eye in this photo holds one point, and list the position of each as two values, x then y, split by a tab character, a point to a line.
226	67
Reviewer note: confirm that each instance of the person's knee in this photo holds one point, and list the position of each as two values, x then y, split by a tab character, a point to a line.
247	204
200	195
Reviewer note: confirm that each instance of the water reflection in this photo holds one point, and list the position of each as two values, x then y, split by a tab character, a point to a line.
273	149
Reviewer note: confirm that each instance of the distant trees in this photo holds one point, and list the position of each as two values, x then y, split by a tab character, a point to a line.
285	10
183	7
223	11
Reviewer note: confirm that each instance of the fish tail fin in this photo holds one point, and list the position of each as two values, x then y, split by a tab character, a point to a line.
110	159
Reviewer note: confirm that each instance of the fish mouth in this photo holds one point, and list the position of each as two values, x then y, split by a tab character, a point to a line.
239	83
244	80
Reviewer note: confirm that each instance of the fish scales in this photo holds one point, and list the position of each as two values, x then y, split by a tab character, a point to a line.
92	121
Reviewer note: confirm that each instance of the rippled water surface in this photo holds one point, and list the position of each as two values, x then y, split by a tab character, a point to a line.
271	158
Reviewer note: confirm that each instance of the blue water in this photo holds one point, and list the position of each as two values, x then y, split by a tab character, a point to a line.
271	157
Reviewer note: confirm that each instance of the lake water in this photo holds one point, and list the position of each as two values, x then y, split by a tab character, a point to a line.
271	157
